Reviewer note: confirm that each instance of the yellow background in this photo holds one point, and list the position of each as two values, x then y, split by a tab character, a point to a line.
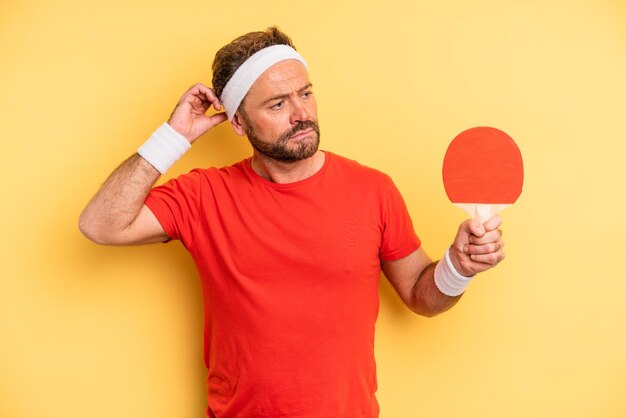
90	331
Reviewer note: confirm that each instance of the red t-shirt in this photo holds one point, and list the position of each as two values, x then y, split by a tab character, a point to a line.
289	278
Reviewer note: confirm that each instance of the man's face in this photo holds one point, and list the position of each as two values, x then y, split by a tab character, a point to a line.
280	113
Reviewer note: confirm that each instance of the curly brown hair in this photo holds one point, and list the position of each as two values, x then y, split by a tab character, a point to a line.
231	56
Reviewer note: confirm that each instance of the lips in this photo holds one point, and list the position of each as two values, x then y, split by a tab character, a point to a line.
301	134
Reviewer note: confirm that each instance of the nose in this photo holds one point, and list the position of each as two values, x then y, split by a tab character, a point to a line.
300	112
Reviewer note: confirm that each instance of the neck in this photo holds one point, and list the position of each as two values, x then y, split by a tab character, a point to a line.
282	172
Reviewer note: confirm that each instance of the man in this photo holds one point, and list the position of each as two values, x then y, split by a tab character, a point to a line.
289	243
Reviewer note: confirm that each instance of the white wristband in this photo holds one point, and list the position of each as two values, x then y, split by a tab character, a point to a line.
447	279
164	147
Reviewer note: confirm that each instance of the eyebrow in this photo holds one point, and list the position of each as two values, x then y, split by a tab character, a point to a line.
282	96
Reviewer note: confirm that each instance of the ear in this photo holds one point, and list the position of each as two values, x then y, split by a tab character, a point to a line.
237	124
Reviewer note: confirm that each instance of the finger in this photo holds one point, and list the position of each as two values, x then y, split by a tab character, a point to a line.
197	88
202	93
202	125
484	249
491	236
217	118
466	229
207	101
209	95
191	93
200	104
475	228
493	223
492	258
217	103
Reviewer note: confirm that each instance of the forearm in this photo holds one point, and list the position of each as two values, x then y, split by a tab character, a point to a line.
118	202
426	298
116	214
429	288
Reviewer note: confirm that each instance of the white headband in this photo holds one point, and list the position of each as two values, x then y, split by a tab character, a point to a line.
247	73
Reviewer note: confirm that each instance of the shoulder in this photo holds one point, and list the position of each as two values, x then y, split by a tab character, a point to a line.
354	170
198	179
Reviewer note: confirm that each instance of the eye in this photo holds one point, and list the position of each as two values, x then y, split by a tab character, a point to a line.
307	94
278	105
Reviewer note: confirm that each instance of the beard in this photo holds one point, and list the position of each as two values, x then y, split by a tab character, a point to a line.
280	149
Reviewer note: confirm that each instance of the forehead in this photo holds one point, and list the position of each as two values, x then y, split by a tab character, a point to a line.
281	78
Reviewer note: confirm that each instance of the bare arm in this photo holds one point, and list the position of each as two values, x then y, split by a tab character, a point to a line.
116	215
413	279
476	248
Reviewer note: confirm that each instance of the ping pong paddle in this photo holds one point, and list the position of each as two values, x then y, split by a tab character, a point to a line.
483	172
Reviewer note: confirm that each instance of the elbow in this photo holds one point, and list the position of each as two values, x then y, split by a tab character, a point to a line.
88	228
431	307
100	231
433	313
425	311
428	312
85	228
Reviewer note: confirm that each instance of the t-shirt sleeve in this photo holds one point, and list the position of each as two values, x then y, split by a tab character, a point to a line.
176	205
399	238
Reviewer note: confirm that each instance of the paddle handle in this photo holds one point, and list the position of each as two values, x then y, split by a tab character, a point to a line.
482	211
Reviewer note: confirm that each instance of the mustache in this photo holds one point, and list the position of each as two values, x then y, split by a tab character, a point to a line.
301	126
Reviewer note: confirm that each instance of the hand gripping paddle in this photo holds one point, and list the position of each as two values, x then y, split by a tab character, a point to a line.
483	172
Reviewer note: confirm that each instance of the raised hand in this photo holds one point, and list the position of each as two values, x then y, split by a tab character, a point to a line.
189	118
